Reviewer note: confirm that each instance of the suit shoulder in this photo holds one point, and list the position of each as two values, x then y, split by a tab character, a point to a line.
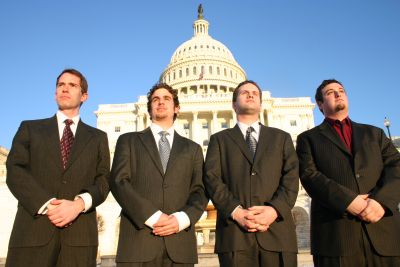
93	129
36	121
222	133
274	130
188	141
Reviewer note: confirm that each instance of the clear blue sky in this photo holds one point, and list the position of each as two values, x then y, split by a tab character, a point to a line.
122	47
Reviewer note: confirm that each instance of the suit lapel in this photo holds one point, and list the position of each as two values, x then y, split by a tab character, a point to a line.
236	135
53	139
330	133
357	137
262	142
82	138
149	143
176	149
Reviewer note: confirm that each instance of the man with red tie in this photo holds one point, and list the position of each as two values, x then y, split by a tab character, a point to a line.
58	169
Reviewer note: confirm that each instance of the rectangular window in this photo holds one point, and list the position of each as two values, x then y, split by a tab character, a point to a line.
293	123
117	129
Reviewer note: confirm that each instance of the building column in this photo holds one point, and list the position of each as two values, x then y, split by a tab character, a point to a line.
140	125
262	117
214	122
234	120
194	126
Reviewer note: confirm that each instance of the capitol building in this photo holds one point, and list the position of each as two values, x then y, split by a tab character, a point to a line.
205	73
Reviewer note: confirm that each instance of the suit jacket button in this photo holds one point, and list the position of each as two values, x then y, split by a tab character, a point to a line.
253	173
64	182
358	175
165	185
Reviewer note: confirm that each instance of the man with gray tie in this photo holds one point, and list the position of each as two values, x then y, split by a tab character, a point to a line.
156	177
251	175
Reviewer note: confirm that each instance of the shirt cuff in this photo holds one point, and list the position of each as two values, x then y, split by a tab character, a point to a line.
183	220
238	207
43	209
87	200
153	219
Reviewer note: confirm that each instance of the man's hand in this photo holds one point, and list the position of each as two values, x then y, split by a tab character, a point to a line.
373	212
166	225
358	205
264	216
240	216
62	212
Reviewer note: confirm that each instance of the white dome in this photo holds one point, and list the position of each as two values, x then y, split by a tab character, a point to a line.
202	61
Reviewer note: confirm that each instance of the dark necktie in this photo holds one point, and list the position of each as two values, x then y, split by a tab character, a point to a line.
164	149
251	141
66	142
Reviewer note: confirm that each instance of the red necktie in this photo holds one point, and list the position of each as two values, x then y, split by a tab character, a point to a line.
66	142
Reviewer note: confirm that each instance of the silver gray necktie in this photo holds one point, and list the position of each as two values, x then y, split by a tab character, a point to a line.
251	141
164	149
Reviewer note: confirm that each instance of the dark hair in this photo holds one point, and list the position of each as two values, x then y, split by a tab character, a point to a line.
236	91
318	93
83	84
171	90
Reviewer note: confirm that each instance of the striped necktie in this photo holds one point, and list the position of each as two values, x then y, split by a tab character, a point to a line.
164	149
251	141
66	142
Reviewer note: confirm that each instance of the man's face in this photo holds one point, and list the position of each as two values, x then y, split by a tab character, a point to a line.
162	106
334	100
248	100
68	92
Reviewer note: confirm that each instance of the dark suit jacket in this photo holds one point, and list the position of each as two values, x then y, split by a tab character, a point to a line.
140	187
333	178
35	175
232	179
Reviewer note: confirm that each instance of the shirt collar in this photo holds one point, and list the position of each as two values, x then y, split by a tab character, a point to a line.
156	129
243	127
61	117
333	121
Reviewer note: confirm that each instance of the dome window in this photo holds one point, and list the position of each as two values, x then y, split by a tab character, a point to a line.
218	72
224	72
194	71
187	71
180	73
210	70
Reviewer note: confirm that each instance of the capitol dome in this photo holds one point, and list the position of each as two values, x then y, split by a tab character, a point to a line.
202	64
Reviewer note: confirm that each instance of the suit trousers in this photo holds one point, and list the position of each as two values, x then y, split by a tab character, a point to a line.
257	256
368	257
53	254
161	260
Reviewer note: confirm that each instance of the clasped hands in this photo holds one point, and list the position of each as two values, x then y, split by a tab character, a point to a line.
367	209
256	218
62	212
166	225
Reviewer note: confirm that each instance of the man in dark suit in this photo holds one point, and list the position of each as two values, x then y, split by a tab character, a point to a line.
251	175
156	177
352	173
58	170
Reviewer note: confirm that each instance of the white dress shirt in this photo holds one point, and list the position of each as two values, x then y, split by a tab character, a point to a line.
181	216
86	197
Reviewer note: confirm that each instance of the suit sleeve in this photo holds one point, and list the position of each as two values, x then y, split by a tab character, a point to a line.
320	187
197	200
218	191
137	208
285	196
387	190
29	193
100	188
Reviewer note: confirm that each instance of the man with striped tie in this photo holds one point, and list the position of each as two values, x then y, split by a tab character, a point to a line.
58	169
251	175
156	177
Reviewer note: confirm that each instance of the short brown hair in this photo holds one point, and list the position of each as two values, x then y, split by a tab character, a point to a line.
318	92
171	90
236	91
83	84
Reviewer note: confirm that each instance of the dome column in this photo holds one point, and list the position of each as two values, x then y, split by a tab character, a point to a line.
214	122
194	126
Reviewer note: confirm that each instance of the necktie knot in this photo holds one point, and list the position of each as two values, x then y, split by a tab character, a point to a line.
68	122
